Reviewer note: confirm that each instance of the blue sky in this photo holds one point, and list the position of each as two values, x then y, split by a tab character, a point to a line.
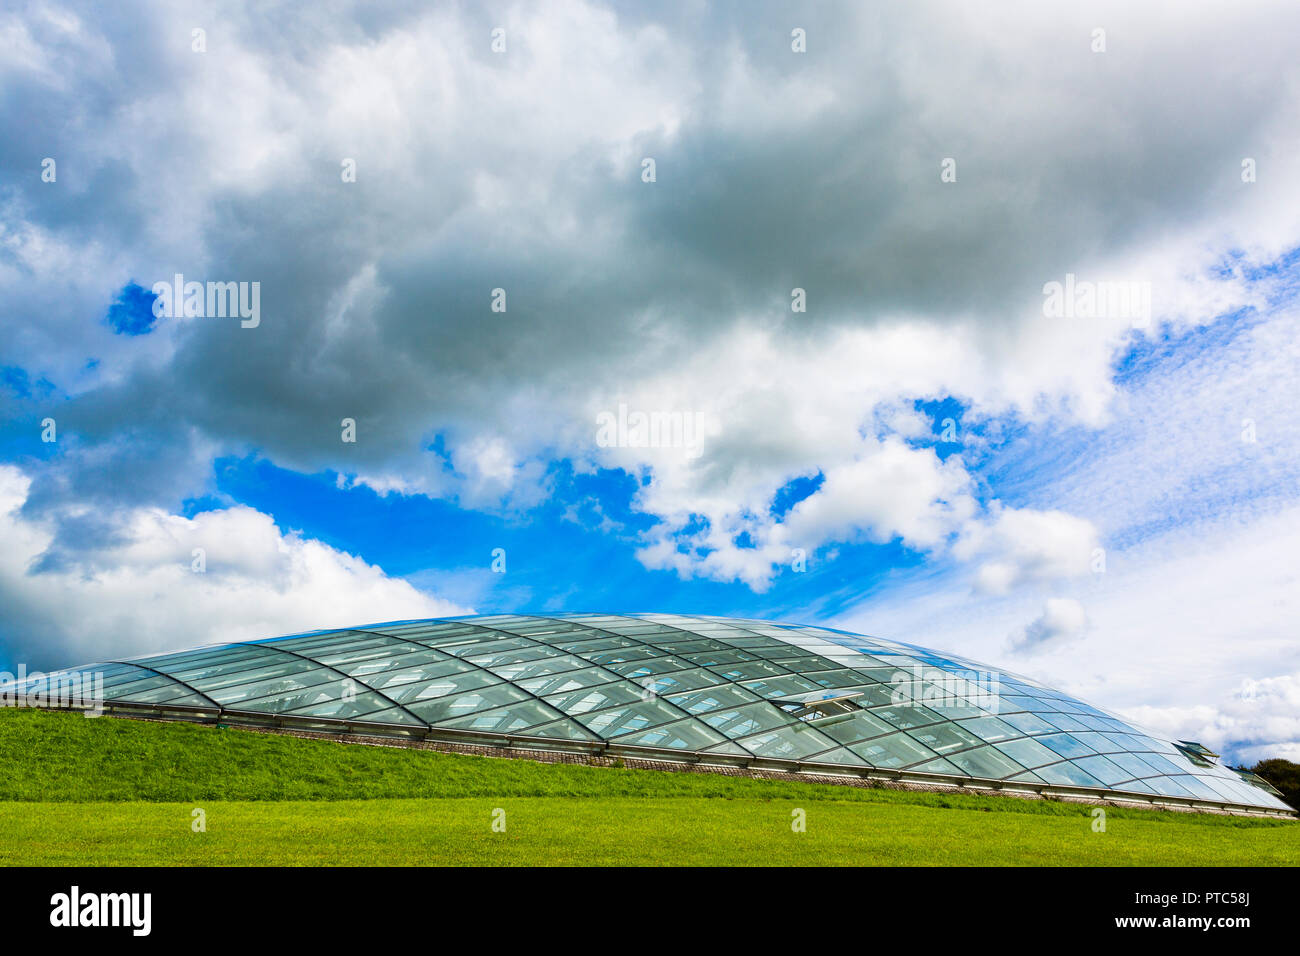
874	416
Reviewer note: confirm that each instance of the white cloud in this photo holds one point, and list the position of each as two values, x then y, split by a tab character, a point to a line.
522	172
137	593
1021	545
1062	620
1259	720
1201	528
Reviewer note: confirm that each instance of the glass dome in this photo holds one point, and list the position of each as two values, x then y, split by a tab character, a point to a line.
665	686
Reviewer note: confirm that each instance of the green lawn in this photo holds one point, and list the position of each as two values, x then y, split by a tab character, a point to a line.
110	791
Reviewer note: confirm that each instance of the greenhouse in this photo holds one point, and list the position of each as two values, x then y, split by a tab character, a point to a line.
710	691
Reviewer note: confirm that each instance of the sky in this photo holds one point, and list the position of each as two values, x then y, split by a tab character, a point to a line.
851	260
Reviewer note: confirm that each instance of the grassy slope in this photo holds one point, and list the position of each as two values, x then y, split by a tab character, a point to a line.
118	791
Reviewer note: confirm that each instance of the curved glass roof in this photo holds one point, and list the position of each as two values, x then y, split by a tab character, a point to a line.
699	685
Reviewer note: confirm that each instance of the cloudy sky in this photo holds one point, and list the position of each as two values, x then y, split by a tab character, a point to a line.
820	238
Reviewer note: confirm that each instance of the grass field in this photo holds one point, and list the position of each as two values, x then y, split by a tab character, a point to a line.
110	791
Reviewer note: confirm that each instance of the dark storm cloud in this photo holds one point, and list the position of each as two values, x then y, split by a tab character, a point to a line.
818	170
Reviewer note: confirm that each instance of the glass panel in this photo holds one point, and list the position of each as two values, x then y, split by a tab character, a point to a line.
236	695
738	672
390	680
342	709
869	695
625	720
896	750
1139	786
1197	786
1134	765
129	690
440	686
842	678
185	697
227	653
569	680
1013	703
314	642
942	738
715	698
458	642
891	676
1166	786
1103	769
1161	763
1064	722
635	670
335	643
562	730
1028	752
907	715
484	649
1027	777
805	665
841	755
521	655
1065	745
681	735
458	705
1098	742
391	715
938	765
434	634
1027	723
1066	773
1125	742
786	686
986	761
406	661
281	703
286	669
110	679
109	670
169	693
605	645
1093	722
739	721
215	668
675	681
516	717
714	657
602	697
862	726
540	668
990	729
1118	726
642	629
789	743
548	631
342	659
594	643
285	700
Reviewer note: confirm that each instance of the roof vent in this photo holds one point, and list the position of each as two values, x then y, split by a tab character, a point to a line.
820	709
1198	754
